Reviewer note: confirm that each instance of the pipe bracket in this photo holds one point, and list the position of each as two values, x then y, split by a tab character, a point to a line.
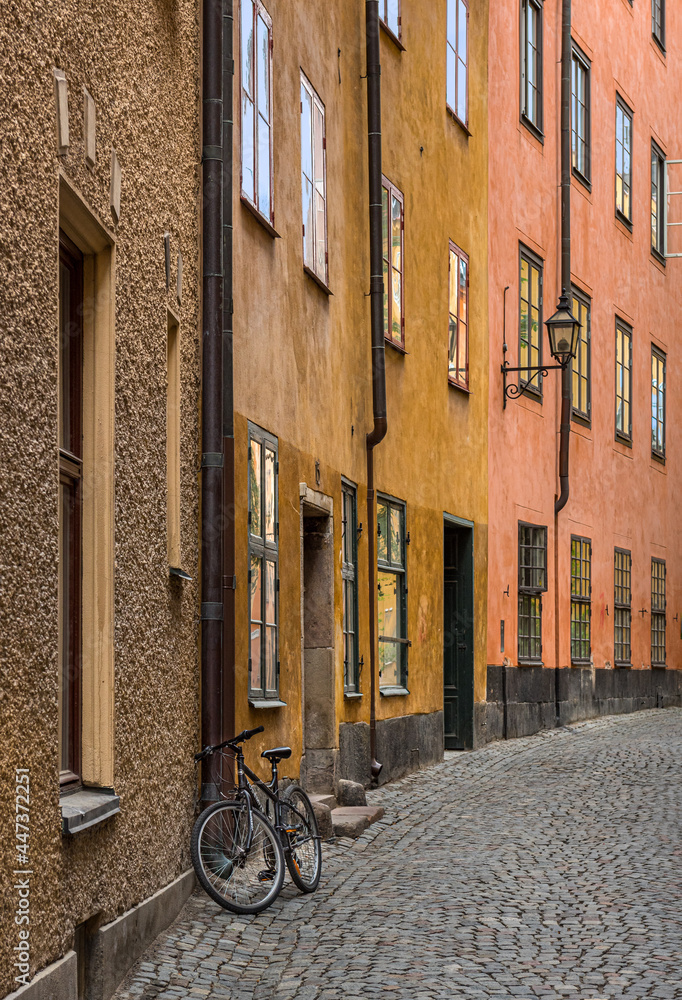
212	460
211	611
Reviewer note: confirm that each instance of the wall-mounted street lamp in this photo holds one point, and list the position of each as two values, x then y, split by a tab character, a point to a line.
563	330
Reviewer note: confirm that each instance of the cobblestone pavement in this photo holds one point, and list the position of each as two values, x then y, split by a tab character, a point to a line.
548	867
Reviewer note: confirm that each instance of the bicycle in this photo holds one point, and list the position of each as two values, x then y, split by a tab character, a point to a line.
239	852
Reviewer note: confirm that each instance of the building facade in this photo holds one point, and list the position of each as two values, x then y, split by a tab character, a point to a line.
583	614
99	430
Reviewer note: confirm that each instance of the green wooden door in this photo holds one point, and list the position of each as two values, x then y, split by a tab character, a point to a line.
458	637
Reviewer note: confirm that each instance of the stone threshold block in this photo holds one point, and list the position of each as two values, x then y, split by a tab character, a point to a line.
351	821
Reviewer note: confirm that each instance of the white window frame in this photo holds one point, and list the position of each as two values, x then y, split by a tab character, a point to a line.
317	262
453	55
249	108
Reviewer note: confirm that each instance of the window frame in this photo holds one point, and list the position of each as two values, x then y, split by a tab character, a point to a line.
622	621
455	50
626	110
582	416
383	21
658	609
534	126
533	261
658	30
399	570
349	580
581	603
316	103
387	264
661	356
530	591
622	435
260	547
658	161
460	258
579	58
253	203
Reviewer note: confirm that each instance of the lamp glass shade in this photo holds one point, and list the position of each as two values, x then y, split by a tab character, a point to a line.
563	330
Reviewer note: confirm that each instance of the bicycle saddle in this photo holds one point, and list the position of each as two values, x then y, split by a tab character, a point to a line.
278	753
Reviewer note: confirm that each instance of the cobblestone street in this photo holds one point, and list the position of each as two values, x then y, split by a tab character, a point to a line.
548	867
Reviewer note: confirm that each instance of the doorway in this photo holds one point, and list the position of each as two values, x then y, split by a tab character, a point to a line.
458	634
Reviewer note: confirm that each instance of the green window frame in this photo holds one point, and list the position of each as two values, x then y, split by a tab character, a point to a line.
532	584
393	249
581	393
581	599
349	582
263	572
622	603
658	612
530	318
623	381
658	379
392	594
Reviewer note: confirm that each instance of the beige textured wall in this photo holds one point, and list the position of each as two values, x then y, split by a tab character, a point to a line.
139	61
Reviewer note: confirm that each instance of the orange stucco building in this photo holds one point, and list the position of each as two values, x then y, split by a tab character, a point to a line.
596	591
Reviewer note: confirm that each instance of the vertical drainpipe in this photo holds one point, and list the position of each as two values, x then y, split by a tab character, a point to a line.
229	578
376	289
211	389
565	429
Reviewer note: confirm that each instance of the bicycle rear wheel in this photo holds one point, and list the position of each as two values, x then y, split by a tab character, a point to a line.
304	854
238	862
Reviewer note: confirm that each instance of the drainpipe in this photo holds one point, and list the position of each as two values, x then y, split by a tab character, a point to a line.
229	578
211	390
376	291
565	428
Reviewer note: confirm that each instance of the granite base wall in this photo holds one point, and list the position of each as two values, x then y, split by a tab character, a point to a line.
524	700
404	744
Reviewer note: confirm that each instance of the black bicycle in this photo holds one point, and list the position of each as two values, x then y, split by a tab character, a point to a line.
240	845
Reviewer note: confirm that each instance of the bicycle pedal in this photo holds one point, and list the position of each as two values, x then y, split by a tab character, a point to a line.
266	876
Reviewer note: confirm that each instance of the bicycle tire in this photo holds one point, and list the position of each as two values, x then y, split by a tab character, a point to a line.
241	875
304	852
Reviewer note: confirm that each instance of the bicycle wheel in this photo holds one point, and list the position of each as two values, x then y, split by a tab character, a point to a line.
240	865
304	853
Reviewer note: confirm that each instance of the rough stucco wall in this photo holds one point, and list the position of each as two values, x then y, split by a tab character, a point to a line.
619	495
302	359
139	61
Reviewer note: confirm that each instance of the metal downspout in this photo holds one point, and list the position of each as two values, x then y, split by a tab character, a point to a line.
211	389
376	287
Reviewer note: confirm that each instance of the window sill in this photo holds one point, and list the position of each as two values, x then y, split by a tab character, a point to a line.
531	663
624	221
86	808
352	695
180	573
659	459
618	665
393	691
533	129
581	663
394	38
659	666
580	418
658	256
586	183
458	385
396	347
624	440
259	217
267	703
318	281
659	44
455	117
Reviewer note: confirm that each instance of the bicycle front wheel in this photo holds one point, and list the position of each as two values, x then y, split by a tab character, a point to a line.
237	857
304	853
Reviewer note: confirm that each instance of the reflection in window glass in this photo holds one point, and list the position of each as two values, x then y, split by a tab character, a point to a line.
623	160
580	111
530	318
269	495
263	562
457	60
351	669
255	488
658	402
393	250
531	62
622	606
256	132
581	599
313	181
580	366
623	380
458	279
532	583
392	594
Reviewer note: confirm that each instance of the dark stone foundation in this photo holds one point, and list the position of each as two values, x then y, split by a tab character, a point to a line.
404	744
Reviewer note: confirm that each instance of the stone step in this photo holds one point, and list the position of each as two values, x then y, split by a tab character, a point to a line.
326	800
351	821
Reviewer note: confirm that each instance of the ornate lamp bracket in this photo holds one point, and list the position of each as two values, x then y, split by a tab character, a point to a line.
512	390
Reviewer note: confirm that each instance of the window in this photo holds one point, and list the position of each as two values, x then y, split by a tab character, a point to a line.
392	588
458	59
314	182
581	599
658	603
263	566
658	22
70	502
531	64
256	90
580	115
657	402
532	583
657	200
580	366
393	235
530	316
623	161
349	574
623	381
458	370
389	14
622	600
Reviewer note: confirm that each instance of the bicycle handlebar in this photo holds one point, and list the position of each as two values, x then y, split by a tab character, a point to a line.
245	735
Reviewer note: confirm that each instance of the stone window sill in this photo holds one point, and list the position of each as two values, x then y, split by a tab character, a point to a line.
267	703
352	694
86	808
389	692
